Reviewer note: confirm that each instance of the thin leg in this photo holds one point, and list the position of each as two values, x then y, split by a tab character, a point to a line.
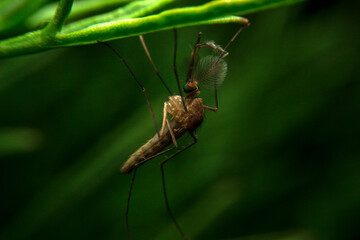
153	64
235	35
155	156
138	82
164	186
215	87
192	59
142	40
210	108
128	205
223	53
133	179
212	45
132	184
173	138
175	69
166	121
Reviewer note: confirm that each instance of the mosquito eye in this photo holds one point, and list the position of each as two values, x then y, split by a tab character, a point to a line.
189	89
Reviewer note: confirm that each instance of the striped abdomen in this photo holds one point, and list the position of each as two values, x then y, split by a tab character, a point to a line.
152	147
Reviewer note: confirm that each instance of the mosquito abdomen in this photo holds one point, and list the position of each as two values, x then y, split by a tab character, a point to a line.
154	146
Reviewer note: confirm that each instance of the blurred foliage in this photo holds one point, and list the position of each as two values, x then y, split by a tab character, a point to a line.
279	160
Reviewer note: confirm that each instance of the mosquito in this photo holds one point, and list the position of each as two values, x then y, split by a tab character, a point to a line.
187	113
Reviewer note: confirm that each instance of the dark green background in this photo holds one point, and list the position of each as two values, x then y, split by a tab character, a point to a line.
279	160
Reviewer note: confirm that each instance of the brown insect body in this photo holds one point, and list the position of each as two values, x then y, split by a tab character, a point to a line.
187	113
182	121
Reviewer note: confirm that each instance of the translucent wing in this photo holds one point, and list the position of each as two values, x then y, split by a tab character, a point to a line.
208	71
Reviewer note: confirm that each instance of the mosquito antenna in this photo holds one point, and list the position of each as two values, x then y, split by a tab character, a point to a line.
175	69
137	81
142	40
128	204
192	59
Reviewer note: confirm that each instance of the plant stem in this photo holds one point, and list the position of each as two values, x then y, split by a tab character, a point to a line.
62	12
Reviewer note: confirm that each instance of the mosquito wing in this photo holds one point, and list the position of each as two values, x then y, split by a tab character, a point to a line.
209	70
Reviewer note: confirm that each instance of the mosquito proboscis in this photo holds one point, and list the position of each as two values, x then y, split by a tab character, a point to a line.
187	112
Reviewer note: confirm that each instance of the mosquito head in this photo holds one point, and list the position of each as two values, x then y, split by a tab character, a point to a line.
191	88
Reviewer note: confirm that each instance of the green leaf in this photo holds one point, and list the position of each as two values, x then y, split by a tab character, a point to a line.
122	23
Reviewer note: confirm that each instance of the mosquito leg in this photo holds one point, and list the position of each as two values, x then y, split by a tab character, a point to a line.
173	138
192	59
211	108
215	87
132	184
163	180
128	205
155	156
236	34
164	119
142	40
175	69
137	81
151	112
164	186
212	45
223	53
